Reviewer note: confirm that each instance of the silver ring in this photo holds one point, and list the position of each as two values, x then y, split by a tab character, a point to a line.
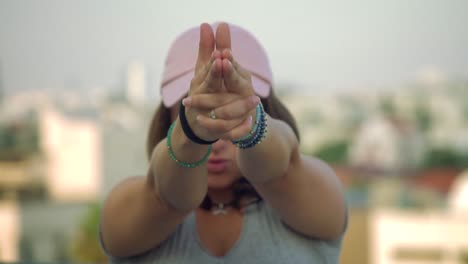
212	114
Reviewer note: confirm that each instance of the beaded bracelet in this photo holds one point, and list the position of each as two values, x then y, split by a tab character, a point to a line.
260	132
257	139
179	162
258	113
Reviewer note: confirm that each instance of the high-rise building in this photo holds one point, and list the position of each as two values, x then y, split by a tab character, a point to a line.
136	84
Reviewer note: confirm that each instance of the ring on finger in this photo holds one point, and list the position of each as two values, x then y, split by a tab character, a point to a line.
212	114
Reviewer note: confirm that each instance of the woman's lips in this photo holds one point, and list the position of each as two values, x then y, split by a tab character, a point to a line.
216	165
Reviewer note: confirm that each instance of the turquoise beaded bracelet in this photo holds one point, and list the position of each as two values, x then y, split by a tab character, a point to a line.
258	113
257	134
183	163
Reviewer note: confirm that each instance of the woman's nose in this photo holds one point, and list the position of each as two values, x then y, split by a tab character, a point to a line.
220	145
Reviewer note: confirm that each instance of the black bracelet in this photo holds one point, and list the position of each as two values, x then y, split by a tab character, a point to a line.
188	131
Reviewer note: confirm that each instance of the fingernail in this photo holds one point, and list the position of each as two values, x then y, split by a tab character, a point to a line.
256	100
198	117
186	101
250	120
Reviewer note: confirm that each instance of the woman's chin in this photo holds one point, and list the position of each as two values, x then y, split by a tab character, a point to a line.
220	181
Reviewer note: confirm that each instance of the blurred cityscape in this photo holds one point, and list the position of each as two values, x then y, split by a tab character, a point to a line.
401	154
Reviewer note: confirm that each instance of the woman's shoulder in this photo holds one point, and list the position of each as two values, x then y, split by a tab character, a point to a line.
267	233
269	221
178	241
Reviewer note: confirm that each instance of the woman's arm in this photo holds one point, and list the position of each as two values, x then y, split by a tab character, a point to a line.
304	190
141	212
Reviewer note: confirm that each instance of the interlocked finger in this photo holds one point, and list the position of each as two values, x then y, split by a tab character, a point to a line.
202	74
243	72
218	126
234	81
239	131
236	109
209	101
213	81
227	54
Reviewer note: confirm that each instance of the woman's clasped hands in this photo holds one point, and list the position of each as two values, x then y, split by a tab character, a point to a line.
221	102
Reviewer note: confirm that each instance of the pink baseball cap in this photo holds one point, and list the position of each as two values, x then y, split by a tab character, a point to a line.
182	57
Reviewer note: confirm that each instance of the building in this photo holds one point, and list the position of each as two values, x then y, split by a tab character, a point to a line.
458	197
123	147
448	120
71	147
398	237
322	120
136	84
406	222
49	188
10	229
387	144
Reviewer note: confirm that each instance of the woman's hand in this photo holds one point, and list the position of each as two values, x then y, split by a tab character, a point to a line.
233	119
226	92
207	80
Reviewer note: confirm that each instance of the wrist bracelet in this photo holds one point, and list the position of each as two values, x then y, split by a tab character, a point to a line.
179	162
258	113
260	132
188	131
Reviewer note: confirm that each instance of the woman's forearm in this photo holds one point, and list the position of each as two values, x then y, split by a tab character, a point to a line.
134	219
305	191
183	188
150	208
270	159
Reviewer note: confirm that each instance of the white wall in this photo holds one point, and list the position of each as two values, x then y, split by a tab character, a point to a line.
392	230
9	232
73	156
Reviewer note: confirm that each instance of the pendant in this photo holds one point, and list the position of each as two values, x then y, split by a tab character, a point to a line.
219	209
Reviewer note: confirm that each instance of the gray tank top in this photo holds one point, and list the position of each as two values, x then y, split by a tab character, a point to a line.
264	239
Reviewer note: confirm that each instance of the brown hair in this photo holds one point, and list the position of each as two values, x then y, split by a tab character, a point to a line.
242	188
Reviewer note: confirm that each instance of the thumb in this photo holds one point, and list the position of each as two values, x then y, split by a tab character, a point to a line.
234	81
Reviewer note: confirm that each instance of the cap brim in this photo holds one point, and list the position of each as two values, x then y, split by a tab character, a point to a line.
261	87
174	91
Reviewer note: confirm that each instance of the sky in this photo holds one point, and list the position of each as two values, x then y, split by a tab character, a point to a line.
314	46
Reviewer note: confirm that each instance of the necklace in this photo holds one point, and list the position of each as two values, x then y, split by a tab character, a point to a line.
220	208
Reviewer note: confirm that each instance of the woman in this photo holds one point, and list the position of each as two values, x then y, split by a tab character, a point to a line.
226	181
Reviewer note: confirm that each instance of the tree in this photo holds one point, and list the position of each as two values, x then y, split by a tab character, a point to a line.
85	246
445	157
423	118
387	106
334	152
